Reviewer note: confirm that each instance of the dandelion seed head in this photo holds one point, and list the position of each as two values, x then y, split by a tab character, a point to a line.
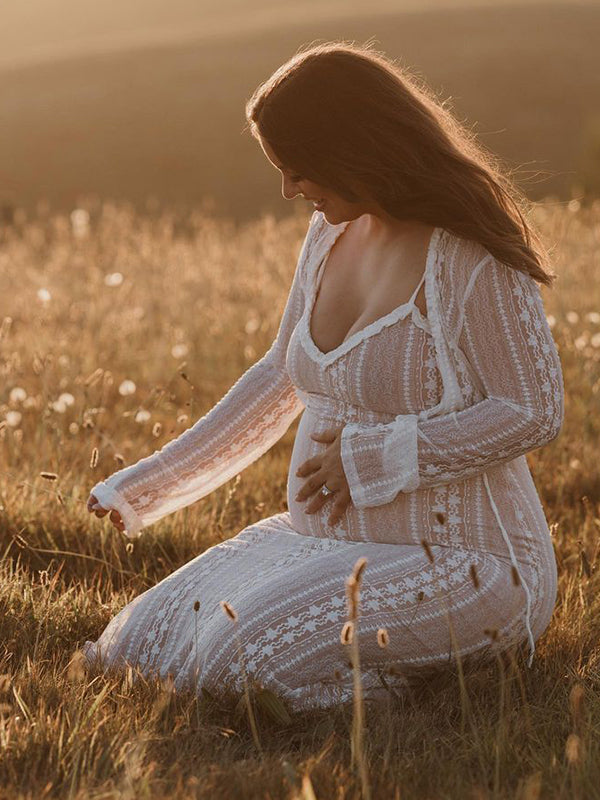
59	406
17	395
44	295
113	279
551	320
572	317
595	340
179	350
66	398
593	317
142	415
13	418
127	387
80	222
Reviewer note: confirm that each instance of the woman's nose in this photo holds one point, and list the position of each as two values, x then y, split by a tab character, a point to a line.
289	189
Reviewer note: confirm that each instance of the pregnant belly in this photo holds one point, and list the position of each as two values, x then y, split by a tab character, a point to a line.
385	523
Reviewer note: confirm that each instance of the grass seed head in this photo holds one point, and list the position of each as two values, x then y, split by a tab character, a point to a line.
383	638
347	633
49	476
227	608
427	548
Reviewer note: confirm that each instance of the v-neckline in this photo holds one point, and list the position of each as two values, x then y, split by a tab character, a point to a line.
376	325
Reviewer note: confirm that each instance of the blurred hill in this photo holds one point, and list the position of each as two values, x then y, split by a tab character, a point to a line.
150	103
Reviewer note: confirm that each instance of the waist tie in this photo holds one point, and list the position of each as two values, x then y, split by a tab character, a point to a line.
516	566
326	406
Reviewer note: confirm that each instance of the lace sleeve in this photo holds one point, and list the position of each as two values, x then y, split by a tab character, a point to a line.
255	412
509	349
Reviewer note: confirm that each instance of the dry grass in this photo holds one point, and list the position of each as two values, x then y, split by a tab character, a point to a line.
77	334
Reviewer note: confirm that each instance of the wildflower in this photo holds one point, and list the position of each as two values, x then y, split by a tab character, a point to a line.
551	320
593	316
66	399
572	317
13	418
252	325
44	295
142	415
595	340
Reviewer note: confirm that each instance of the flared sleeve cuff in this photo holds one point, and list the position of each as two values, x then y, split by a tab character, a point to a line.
109	498
380	460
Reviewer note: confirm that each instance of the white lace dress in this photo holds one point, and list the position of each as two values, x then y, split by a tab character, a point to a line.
458	480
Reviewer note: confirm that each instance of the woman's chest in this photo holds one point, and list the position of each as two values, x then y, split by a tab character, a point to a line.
390	368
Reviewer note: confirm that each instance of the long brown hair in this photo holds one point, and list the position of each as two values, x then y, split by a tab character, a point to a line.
347	117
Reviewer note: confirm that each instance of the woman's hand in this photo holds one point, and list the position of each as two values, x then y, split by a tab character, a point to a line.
115	517
326	468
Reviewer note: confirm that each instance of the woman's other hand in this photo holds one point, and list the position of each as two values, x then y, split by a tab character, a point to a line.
94	507
326	468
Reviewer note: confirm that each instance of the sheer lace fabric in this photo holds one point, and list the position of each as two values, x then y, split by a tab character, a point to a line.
437	416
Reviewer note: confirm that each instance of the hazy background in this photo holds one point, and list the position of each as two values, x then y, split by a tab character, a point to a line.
143	100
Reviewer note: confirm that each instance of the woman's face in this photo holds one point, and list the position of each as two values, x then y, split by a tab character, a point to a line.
334	207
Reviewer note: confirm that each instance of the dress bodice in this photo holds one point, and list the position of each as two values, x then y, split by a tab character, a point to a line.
389	367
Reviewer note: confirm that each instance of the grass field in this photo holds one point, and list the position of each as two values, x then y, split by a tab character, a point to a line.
158	110
180	306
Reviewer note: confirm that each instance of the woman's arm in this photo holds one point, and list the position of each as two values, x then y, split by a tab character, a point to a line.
507	342
256	412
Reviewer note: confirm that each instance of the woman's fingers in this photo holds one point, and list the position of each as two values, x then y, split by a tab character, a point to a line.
338	501
94	507
115	518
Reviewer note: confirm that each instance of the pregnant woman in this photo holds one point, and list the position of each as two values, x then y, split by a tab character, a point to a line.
415	345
